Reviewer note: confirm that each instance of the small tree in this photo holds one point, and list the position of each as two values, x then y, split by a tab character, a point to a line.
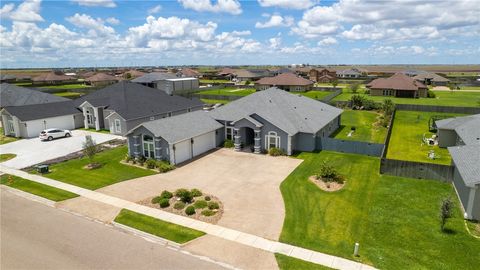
90	148
388	106
357	100
446	211
354	87
334	83
451	86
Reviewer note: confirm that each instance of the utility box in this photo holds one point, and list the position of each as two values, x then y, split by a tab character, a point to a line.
42	169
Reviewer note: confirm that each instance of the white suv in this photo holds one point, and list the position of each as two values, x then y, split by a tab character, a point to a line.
53	133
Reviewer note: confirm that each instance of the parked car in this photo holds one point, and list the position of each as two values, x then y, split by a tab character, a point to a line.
54	133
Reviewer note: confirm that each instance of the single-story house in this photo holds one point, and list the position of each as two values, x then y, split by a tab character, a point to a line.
285	81
351	73
29	120
322	75
188	72
131	74
398	85
458	130
175	139
12	95
251	74
7	78
429	78
170	83
102	79
54	77
124	105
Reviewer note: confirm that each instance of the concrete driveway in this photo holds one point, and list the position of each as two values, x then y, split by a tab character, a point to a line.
247	184
33	151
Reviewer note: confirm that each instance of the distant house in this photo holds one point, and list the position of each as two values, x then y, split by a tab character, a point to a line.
101	79
351	73
398	85
124	105
53	78
462	137
168	82
242	75
278	71
227	73
132	74
188	72
7	78
12	95
429	78
322	75
285	81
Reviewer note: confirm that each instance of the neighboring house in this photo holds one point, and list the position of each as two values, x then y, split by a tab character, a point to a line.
227	73
462	137
101	79
412	72
429	78
352	73
322	75
53	78
285	81
188	72
132	74
7	78
124	105
12	95
176	139
29	120
398	85
251	74
278	71
168	82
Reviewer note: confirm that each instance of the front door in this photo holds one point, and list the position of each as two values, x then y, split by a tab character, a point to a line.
148	147
10	128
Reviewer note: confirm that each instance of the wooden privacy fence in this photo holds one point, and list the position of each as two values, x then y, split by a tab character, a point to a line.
419	170
440	109
346	146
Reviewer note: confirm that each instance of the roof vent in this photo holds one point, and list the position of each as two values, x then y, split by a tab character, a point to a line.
295	107
305	118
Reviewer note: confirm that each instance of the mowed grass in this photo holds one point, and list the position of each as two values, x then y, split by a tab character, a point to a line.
214	101
38	189
7	156
71	95
366	127
314	94
66	86
111	172
289	263
160	228
394	219
214	81
443	98
228	91
6	139
406	141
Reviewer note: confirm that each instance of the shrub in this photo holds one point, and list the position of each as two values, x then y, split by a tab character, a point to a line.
156	199
207	212
327	171
151	163
141	160
431	94
166	194
213	205
200	204
357	100
184	195
179	205
128	158
207	198
190	210
164	203
228	144
90	148
446	212
388	106
276	152
164	166
369	104
196	192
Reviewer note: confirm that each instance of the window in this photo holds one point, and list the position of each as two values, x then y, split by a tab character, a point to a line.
229	133
148	147
272	140
89	117
152	118
118	126
387	92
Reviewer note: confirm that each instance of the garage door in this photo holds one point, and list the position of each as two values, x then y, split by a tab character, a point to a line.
203	143
183	151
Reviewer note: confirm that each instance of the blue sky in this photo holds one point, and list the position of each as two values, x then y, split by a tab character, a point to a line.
37	33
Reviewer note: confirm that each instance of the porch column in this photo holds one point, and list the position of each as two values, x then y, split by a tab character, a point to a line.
289	145
236	139
158	148
85	120
136	146
258	142
471	197
5	125
97	121
16	127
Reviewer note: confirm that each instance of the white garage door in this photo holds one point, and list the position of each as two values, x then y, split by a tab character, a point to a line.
34	127
203	143
183	151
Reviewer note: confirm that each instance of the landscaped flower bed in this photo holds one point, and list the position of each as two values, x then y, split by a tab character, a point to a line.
152	164
190	203
328	179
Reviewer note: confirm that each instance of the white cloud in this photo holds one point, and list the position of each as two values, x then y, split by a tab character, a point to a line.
112	21
289	4
96	3
221	6
275	42
28	11
155	9
276	21
96	27
6	10
327	41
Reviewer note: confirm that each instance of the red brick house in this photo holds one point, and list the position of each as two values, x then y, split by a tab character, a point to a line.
285	81
398	85
322	75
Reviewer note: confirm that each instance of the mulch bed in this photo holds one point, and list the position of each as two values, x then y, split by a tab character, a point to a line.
326	186
211	219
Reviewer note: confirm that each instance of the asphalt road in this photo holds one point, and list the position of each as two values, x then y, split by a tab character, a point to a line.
35	236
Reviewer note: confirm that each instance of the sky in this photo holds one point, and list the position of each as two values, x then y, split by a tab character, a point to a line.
74	33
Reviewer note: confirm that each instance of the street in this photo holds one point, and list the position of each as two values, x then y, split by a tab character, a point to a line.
35	236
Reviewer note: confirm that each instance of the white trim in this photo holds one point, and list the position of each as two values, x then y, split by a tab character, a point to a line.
118	128
148	142
231	134
272	134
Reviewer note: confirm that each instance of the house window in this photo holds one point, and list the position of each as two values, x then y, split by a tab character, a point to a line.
229	133
272	140
118	126
89	116
387	92
148	147
152	118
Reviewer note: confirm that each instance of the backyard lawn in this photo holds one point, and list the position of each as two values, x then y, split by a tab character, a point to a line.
406	140
228	91
71	95
6	139
214	101
160	228
38	189
366	128
289	263
214	81
66	86
394	219
314	94
111	172
443	98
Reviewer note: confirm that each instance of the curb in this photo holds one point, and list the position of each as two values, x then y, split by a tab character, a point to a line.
29	196
147	236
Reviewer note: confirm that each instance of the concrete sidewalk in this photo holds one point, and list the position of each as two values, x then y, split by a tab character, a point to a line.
215	230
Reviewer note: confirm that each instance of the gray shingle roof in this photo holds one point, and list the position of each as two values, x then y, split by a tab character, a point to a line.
133	100
154	76
181	127
466	127
12	95
467	161
432	76
44	110
289	112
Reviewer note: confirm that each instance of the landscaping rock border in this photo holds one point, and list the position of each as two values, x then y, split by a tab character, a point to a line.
326	186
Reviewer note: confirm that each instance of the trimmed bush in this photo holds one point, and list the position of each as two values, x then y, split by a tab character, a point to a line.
190	210
164	166
196	192
207	198
141	160
179	205
164	203
129	158
151	163
274	152
207	212
200	204
184	195
166	194
431	94
156	199
228	144
213	205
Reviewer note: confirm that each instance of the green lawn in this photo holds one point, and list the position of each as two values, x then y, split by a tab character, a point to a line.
214	101
288	263
38	189
228	91
7	156
105	131
111	172
71	95
406	140
394	219
160	228
6	139
66	86
314	94
474	227
366	129
214	81
443	98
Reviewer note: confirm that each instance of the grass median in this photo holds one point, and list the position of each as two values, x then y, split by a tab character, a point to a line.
35	188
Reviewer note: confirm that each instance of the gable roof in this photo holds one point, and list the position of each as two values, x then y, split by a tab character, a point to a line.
466	127
181	127
154	76
467	161
252	73
289	112
52	76
134	73
44	110
398	81
284	79
12	95
101	77
432	76
226	71
188	72
132	100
